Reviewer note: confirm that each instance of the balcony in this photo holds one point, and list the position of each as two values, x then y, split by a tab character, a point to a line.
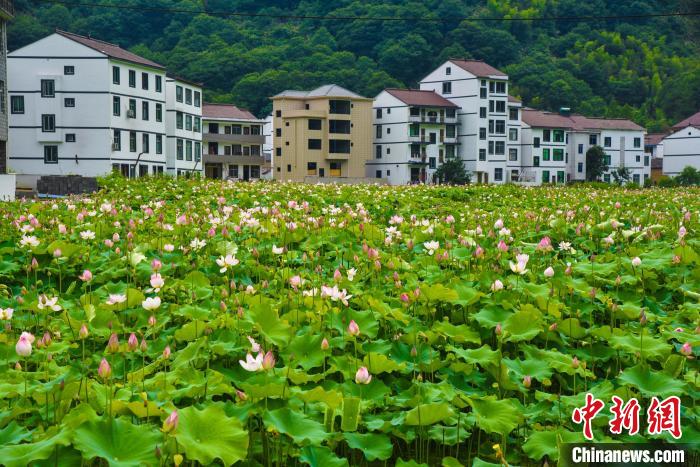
240	160
7	9
230	138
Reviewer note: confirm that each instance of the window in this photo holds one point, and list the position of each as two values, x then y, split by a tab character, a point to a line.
492	126
379	131
536	161
197	151
415	112
536	142
132	78
432	163
117	140
338	146
501	107
448	70
592	140
491	148
180	151
558	155
646	161
607	142
48	123
447	88
560	176
132	141
482	93
69	70
197	99
501	87
159	112
143	170
339	107
558	136
545	154
482	154
500	147
145	143
606	178
188	122
17	104
449	113
314	144
116	106
144	110
197	124
178	93
414	130
637	158
482	133
233	171
513	134
188	96
188	150
482	112
580	148
70	137
579	167
546	136
340	126
278	113
144	80
607	159
545	176
500	127
492	87
450	131
335	169
635	178
179	118
514	175
637	142
378	151
512	154
278	152
278	132
116	75
289	167
314	124
513	114
310	168
48	88
449	151
498	175
132	108
378	174
159	83
50	154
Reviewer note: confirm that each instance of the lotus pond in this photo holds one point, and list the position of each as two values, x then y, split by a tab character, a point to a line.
173	322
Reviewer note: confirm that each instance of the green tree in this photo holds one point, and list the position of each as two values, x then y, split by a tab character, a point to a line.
595	163
622	175
689	176
452	172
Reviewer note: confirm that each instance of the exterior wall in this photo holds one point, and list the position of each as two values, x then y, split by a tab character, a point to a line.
681	149
222	159
189	158
268	168
539	166
7	187
514	157
624	153
466	93
293	142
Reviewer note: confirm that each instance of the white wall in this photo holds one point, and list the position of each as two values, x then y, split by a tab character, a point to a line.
7	187
681	149
174	134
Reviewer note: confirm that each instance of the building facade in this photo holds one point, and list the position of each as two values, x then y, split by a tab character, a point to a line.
233	143
414	133
682	147
183	126
489	121
7	181
321	135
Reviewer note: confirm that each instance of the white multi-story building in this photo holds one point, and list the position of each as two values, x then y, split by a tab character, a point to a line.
84	106
268	168
7	181
554	147
414	133
487	116
233	139
183	119
682	147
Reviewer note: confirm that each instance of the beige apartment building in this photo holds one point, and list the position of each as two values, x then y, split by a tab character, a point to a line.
321	135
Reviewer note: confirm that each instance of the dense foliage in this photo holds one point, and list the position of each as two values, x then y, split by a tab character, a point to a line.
281	323
644	69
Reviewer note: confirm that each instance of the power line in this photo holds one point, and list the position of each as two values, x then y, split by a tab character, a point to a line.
290	17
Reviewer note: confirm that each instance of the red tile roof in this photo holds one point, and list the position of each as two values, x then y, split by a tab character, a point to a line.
214	111
653	139
111	50
514	100
478	68
540	119
591	123
420	98
693	120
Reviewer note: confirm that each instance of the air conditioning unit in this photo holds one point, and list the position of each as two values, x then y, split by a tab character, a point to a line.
130	113
115	147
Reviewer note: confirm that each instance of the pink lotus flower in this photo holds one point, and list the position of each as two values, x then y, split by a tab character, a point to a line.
166	352
104	370
57	253
24	344
498	225
252	364
170	423
636	262
499	329
549	272
133	342
575	363
324	344
295	282
86	276
268	361
156	264
157	282
48	303
527	381
83	333
687	349
545	244
113	343
502	246
353	328
496	286
254	346
362	376
115	299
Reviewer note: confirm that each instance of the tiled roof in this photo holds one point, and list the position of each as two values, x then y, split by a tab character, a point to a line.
478	68
109	49
541	119
591	123
514	100
327	90
693	120
214	111
653	139
420	98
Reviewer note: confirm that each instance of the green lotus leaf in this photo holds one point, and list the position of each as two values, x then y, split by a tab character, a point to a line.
294	424
496	416
331	398
522	325
378	363
209	434
571	327
451	462
21	455
439	293
321	456
546	443
459	334
651	348
117	441
13	434
269	324
428	414
651	383
409	463
483	355
466	295
373	446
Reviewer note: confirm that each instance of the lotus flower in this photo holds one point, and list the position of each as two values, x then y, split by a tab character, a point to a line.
166	352
277	250
226	262
527	381
115	299
351	274
496	286
254	346
549	272
132	343
252	364
86	276
87	235
268	361
687	349
636	262
151	303
362	376
521	266
295	282
104	370
24	344
48	303
6	314
431	246
157	282
170	423
353	328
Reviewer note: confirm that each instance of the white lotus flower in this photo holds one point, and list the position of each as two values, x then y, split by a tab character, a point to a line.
151	303
115	299
49	303
30	241
431	246
252	364
226	262
87	235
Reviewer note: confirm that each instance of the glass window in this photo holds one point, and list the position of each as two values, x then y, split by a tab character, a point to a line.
116	75
482	154
70	137
314	124
188	150
17	104
197	99
513	114
545	176
197	124
314	144
132	141
48	123
117	140
159	144
513	134
144	80
512	154
69	70
48	88
159	83
536	161
579	167
545	154
608	141
116	106
546	136
339	146
145	142
180	149
500	147
132	78
536	142
179	119
447	88
558	155
188	96
50	154
339	107
188	122
178	93
144	110
69	102
498	174
197	151
558	136
159	112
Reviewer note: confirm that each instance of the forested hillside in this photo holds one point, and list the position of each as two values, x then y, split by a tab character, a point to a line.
646	69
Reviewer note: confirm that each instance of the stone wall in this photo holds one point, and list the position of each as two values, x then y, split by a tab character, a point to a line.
66	185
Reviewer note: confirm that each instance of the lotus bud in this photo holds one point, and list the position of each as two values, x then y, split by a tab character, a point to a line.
156	265
113	343
268	361
242	396
362	376
152	321
496	286
549	272
353	328
636	262
57	253
499	329
324	344
86	276
49	357
642	318
416	292
686	349
405	298
568	270
159	454
502	246
144	346
170	423
337	275
104	370
553	327
133	342
527	381
177	460
18	367
575	363
46	339
35	263
414	351
166	352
